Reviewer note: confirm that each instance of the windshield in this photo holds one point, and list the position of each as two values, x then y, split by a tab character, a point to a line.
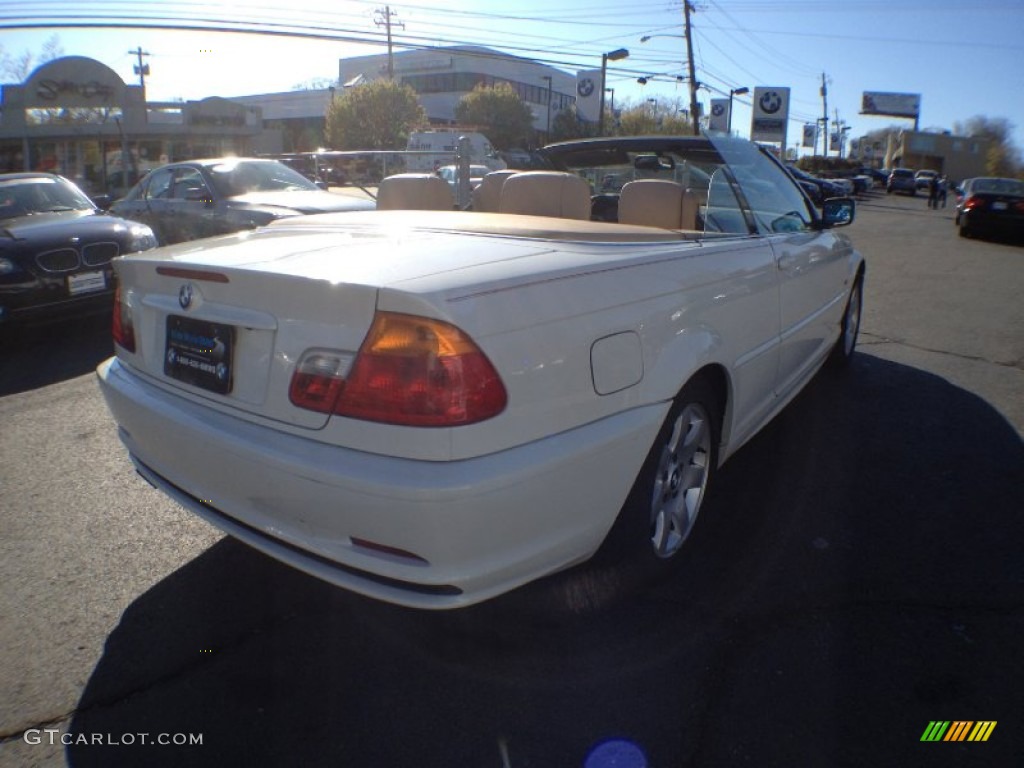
998	187
241	177
19	197
733	187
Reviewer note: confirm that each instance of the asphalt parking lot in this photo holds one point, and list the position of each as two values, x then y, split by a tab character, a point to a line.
855	576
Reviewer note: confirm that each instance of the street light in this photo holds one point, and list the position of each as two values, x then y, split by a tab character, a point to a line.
734	92
548	78
617	55
694	109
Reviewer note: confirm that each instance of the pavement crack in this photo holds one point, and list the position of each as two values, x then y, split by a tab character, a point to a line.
877	340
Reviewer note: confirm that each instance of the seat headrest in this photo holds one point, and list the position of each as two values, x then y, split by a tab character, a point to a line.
415	192
546	193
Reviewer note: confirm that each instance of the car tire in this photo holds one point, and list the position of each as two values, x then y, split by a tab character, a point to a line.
671	487
964	230
849	328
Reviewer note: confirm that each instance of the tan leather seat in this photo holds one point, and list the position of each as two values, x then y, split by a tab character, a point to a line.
546	193
415	192
487	195
658	203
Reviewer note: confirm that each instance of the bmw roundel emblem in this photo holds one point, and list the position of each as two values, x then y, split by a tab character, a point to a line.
585	87
185	296
771	102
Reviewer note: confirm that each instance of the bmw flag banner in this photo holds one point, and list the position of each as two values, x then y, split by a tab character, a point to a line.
771	114
588	94
719	119
810	135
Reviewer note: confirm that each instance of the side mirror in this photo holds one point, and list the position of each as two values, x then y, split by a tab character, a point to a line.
838	212
103	202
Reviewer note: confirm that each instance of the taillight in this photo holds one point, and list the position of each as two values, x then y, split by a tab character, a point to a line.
123	330
410	370
973	202
318	379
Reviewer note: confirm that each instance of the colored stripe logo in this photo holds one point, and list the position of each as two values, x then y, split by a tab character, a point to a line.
958	730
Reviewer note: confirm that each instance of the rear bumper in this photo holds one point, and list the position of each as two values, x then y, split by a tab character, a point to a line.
449	533
1000	223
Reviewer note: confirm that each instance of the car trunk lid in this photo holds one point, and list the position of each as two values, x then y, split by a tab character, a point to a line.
225	320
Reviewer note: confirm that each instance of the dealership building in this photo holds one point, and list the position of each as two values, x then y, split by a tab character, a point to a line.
294	121
77	117
442	76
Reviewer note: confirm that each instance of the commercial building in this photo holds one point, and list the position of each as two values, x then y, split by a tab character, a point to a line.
957	157
294	121
77	117
442	76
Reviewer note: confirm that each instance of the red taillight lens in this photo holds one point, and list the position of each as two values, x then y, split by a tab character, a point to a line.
973	202
410	370
122	329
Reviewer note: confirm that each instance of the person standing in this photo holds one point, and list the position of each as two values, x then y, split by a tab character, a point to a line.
933	191
943	189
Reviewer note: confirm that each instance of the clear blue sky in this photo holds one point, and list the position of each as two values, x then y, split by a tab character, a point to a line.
964	58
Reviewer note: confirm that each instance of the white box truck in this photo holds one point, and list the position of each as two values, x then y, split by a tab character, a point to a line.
430	150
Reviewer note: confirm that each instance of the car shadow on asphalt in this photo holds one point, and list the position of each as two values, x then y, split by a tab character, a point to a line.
855	575
37	356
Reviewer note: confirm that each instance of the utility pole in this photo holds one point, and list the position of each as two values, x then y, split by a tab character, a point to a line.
383	18
694	111
839	132
824	114
141	69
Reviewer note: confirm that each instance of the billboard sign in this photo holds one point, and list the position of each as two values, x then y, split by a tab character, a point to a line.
771	114
891	104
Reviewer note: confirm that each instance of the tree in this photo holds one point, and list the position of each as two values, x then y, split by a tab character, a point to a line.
1004	158
499	112
651	119
566	125
376	115
16	68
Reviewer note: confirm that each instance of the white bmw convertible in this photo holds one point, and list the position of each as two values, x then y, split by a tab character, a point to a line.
433	406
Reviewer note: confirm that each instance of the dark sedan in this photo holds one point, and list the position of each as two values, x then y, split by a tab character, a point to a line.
991	205
55	249
818	189
203	198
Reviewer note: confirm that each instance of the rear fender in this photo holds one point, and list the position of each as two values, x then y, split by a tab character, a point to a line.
690	353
